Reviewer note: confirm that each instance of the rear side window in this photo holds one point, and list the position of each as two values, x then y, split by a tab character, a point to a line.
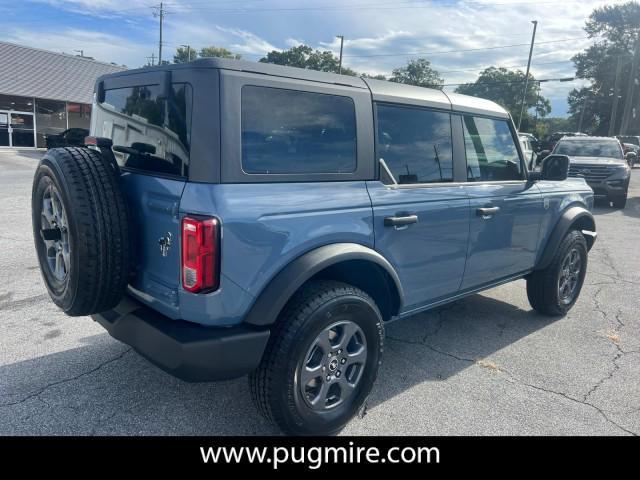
295	132
415	144
491	150
154	131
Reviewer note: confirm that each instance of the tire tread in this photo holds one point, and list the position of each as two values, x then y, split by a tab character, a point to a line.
283	335
101	218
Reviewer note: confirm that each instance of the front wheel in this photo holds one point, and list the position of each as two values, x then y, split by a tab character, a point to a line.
321	361
554	290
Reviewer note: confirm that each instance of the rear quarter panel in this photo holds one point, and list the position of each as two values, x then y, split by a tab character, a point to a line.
264	227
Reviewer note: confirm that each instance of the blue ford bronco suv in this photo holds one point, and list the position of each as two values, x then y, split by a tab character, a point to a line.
228	218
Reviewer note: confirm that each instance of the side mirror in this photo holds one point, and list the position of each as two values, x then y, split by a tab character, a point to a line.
555	167
631	155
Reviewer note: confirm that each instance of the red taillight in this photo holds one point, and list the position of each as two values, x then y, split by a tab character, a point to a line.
200	254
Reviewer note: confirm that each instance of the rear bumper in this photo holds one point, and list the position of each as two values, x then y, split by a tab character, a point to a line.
186	350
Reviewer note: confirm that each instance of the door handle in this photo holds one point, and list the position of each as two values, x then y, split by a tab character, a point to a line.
487	212
400	221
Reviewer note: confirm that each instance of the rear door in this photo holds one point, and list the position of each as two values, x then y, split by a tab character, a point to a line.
148	118
421	216
505	209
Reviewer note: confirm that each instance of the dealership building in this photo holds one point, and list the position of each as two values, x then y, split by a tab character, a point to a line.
43	92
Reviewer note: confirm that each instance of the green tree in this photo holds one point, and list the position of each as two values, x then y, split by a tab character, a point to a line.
374	77
619	27
505	87
417	72
303	56
219	52
546	126
185	54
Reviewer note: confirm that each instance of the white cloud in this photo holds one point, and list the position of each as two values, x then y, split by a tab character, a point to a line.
251	43
255	27
293	42
101	46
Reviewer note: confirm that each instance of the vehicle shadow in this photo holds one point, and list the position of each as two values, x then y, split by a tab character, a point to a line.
436	345
632	209
105	388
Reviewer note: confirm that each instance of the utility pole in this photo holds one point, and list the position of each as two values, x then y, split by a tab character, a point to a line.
160	13
152	58
188	47
616	96
341	37
628	100
584	107
526	78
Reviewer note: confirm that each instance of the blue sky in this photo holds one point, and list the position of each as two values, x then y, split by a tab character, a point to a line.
379	34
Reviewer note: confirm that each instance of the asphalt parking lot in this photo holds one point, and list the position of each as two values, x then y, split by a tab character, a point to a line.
485	365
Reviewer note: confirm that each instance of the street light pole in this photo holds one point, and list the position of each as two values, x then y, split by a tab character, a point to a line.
584	107
341	37
526	78
188	47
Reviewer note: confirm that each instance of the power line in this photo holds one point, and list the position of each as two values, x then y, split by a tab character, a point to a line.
478	69
463	50
362	6
544	80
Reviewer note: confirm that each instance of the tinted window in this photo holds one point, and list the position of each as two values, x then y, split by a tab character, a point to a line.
491	151
415	144
155	130
288	131
589	148
632	140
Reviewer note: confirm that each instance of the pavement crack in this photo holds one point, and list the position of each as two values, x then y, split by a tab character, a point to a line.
574	400
515	379
39	392
442	317
432	348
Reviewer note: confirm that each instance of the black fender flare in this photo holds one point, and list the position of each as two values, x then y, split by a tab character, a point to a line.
575	215
280	289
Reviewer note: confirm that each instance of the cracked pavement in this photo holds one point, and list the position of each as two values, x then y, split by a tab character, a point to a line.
483	365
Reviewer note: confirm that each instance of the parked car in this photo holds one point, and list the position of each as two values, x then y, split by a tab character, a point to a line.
69	138
630	151
550	142
601	162
632	139
267	220
527	150
535	143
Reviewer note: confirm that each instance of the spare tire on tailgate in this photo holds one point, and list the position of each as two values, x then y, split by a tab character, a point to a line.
81	230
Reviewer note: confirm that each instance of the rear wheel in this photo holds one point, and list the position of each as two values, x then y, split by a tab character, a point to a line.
80	230
321	361
554	290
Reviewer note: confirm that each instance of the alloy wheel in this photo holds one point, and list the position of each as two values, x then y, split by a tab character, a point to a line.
333	366
54	232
